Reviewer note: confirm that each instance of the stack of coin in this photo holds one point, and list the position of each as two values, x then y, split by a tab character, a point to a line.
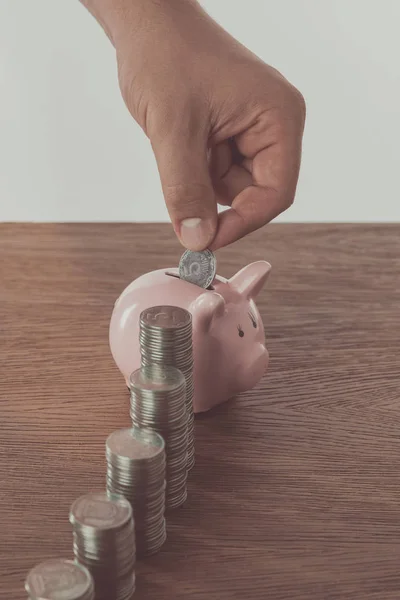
58	579
104	542
166	338
158	403
136	470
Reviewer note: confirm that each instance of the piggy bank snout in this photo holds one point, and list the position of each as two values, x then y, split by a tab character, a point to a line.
261	359
253	368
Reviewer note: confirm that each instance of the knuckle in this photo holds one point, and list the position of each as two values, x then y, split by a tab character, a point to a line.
125	79
299	103
132	94
288	201
291	105
284	200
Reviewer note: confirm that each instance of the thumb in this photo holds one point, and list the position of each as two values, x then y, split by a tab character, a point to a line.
187	188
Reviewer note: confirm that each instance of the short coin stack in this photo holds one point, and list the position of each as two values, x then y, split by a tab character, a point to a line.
158	403
136	470
166	338
58	578
104	542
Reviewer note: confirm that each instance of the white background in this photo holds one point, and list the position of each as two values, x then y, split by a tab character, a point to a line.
69	150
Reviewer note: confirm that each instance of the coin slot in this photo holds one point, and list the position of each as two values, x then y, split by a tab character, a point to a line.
210	287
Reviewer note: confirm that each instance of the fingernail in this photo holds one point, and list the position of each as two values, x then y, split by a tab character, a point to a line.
196	233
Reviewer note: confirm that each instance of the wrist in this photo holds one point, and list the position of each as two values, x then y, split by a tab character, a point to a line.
121	17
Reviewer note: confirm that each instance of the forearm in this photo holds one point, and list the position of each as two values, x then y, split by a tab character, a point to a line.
115	16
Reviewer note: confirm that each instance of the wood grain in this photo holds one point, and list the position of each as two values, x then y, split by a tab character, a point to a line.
296	492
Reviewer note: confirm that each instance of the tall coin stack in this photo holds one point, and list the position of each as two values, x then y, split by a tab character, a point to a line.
58	578
158	403
104	542
136	470
166	338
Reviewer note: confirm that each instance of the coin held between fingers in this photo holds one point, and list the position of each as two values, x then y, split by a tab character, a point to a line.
198	267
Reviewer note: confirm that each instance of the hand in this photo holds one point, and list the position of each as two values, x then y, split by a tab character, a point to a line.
225	128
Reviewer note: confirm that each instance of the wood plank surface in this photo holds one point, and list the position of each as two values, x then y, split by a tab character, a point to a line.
296	491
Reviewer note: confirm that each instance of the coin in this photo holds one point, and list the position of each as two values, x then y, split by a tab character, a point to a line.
97	510
136	468
104	542
162	408
166	344
134	443
198	267
157	377
168	317
59	579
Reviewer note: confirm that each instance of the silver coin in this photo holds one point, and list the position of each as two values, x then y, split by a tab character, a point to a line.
59	579
163	409
198	267
140	478
157	378
100	511
165	346
168	317
136	444
104	542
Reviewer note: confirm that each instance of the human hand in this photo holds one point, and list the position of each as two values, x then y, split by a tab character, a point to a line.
225	127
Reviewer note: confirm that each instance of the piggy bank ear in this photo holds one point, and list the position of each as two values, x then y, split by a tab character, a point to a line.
250	280
207	307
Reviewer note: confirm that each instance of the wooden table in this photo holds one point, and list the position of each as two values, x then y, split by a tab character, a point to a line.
296	492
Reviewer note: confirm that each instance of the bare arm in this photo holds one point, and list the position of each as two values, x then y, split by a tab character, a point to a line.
225	127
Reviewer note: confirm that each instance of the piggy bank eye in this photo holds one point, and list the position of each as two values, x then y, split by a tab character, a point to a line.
253	320
240	330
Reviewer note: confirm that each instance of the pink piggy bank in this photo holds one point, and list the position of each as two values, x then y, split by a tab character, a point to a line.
228	334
